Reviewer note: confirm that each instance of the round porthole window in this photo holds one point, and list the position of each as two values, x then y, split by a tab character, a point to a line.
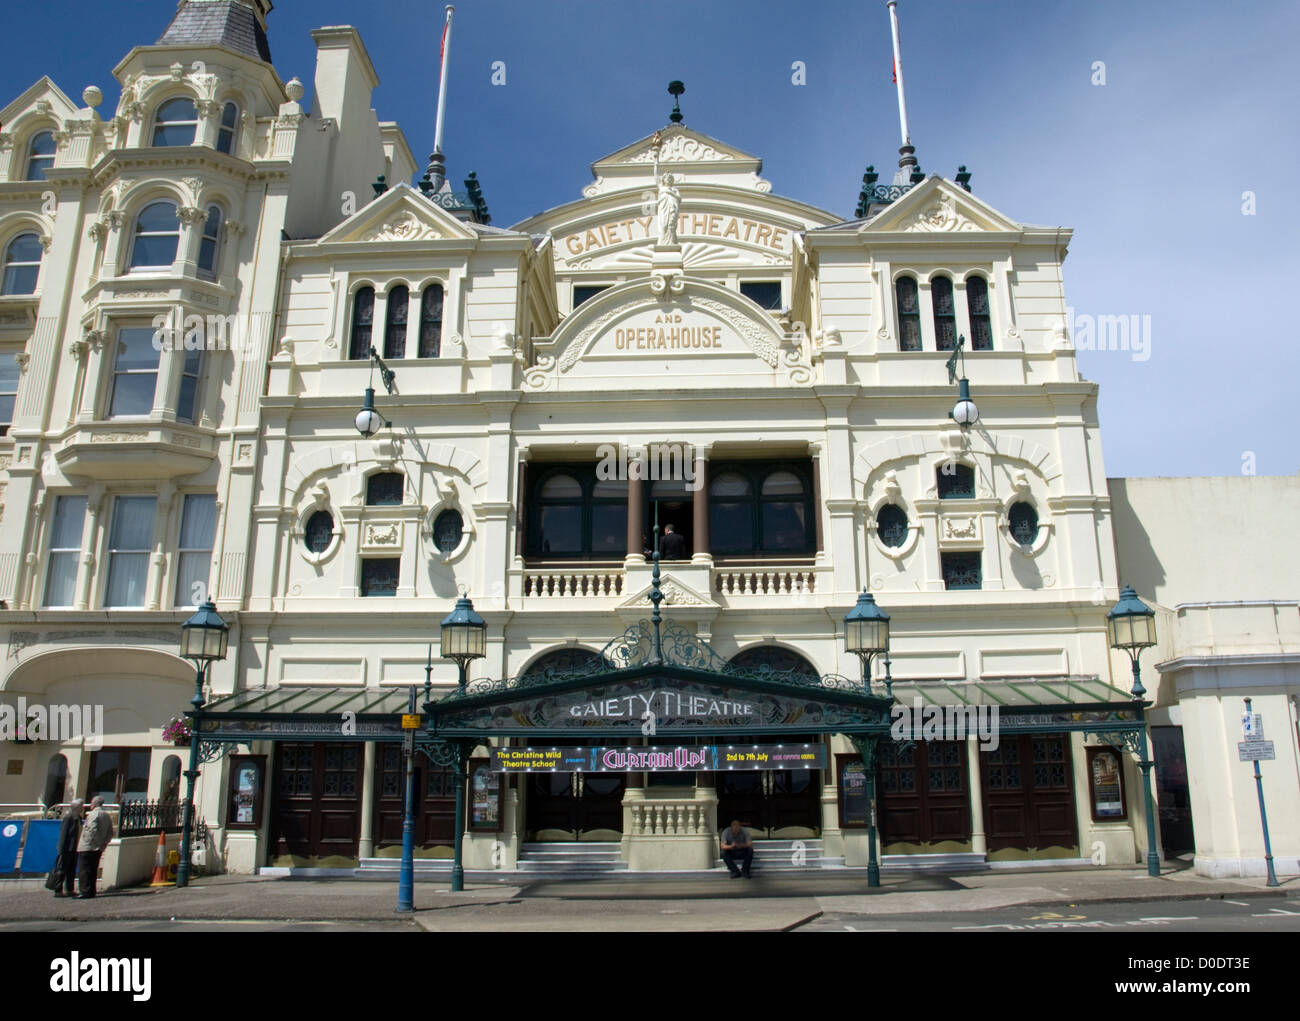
1023	522
319	532
448	530
891	525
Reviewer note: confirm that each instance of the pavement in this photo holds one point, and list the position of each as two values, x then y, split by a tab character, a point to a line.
775	902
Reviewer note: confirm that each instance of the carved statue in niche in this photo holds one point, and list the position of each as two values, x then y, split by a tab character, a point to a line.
670	201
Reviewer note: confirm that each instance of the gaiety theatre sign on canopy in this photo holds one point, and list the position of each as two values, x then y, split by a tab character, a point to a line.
689	225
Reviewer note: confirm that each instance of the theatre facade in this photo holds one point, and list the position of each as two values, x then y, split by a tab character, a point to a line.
679	347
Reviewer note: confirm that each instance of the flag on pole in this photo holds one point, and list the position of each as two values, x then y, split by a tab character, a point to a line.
894	70
442	44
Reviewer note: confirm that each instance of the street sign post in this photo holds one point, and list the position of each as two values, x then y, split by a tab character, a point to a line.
1255	749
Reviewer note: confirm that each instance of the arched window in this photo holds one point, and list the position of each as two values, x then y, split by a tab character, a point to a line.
176	123
559	506
40	155
226	133
399	303
1023	522
448	530
562	662
955	481
363	320
170	789
157	236
909	314
773	659
945	314
209	245
319	532
891	525
384	489
56	781
22	264
977	303
761	507
431	321
609	517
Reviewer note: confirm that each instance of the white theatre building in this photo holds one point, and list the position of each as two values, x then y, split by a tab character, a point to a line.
792	360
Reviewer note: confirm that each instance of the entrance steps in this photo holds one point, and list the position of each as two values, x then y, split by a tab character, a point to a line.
791	856
572	857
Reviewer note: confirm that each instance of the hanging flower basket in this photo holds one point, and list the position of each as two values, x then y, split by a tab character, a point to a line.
177	732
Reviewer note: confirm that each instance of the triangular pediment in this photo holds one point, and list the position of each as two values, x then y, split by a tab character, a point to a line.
678	145
938	206
42	100
675	593
399	215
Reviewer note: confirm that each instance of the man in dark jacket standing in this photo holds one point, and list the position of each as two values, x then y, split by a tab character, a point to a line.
673	546
95	835
69	834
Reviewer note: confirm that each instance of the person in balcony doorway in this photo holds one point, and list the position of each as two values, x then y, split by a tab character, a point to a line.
673	546
95	835
738	850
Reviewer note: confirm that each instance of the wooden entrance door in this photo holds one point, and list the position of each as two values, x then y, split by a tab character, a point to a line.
767	801
1029	793
435	800
575	804
923	794
317	800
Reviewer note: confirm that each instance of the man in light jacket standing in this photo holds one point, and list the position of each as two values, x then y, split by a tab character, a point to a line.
95	835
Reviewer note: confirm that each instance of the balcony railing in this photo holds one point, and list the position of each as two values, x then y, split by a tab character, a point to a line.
566	583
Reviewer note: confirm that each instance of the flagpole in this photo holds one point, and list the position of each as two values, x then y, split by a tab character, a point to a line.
906	151
437	171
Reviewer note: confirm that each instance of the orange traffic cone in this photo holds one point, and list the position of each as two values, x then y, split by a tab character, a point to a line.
160	864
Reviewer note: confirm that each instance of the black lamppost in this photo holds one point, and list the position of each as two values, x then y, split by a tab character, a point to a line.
1132	628
204	638
866	635
464	638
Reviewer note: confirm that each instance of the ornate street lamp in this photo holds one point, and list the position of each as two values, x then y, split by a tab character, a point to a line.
464	638
964	412
368	420
204	639
866	633
1132	627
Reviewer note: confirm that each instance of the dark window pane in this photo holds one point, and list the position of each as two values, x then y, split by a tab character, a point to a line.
909	314
448	530
891	525
955	481
1023	521
133	394
384	489
977	303
158	250
560	529
731	527
764	293
319	532
363	312
379	576
945	322
581	294
961	570
431	321
609	528
399	300
784	527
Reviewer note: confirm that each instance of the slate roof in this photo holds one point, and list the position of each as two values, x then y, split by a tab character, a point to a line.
218	23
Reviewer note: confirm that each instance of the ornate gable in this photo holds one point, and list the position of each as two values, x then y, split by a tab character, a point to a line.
400	214
937	206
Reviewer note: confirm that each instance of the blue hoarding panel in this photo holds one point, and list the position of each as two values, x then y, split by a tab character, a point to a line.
42	845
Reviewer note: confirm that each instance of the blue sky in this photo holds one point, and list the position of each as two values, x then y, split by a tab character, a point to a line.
1149	169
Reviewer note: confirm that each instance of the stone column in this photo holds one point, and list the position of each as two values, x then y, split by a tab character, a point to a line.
978	843
815	452
703	553
366	847
635	515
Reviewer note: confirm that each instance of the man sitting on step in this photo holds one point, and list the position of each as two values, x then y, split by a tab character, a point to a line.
738	848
